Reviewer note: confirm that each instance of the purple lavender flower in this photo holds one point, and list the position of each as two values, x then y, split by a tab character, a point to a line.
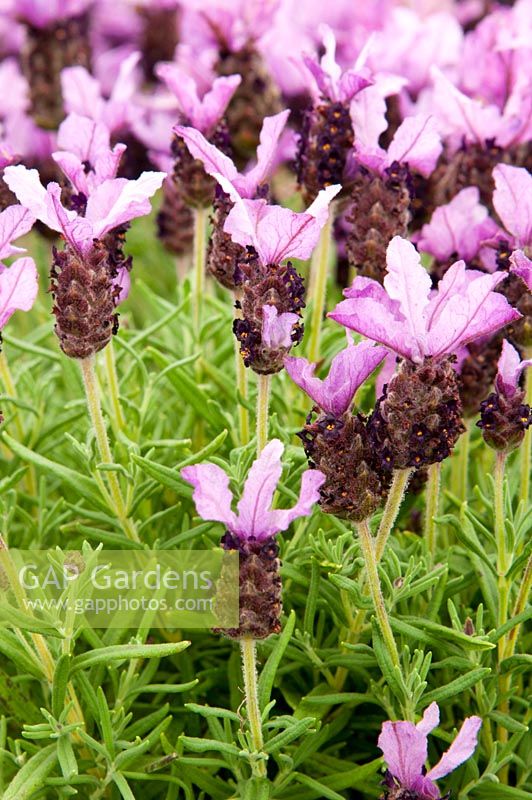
87	276
504	416
203	113
251	531
333	83
349	369
457	229
18	282
216	162
418	419
512	200
521	265
404	747
416	144
41	14
406	318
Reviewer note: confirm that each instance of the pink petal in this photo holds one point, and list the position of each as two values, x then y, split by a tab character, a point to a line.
184	88
81	92
26	185
416	143
15	221
509	369
349	369
311	481
211	495
254	507
277	328
73	169
19	284
409	284
512	199
461	749
522	266
116	201
213	160
371	312
123	282
404	748
275	232
457	227
272	128
385	374
468	315
217	99
83	137
430	720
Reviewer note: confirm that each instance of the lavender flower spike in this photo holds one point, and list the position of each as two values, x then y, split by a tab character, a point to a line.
404	747
349	369
251	532
254	520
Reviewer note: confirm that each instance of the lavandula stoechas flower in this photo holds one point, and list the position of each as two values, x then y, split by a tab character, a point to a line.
159	34
205	114
327	134
417	421
478	136
57	36
272	292
86	284
232	33
251	531
504	417
224	255
336	440
19	282
404	748
383	188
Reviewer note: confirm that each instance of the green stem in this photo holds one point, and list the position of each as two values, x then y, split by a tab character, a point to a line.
367	545
92	392
263	403
319	287
431	508
526	446
112	383
201	216
391	509
9	384
241	382
249	669
462	466
502	551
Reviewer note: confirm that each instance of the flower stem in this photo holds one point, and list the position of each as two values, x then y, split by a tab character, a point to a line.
367	545
92	392
462	464
526	446
431	508
500	539
9	384
391	509
112	382
319	287
249	669
241	382
263	403
201	216
520	605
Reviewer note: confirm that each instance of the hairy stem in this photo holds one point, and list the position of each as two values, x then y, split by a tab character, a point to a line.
524	493
263	410
249	669
461	470
319	287
112	383
241	382
201	216
431	508
391	509
502	585
92	392
367	545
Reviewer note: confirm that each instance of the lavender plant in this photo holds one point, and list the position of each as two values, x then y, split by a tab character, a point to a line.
382	531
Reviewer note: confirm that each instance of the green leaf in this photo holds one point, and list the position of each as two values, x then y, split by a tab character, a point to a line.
205	745
81	484
519	663
317	786
295	730
456	687
60	684
32	775
269	671
119	652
